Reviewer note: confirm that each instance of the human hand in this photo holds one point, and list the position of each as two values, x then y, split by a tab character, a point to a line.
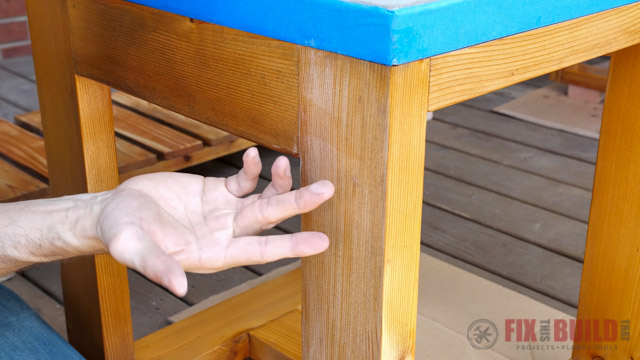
163	224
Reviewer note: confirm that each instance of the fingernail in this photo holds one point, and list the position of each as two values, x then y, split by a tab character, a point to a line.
319	187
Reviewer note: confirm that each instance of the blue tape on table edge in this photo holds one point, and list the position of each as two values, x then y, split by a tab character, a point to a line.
386	36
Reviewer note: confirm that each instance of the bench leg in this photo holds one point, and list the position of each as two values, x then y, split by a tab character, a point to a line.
80	146
363	127
610	286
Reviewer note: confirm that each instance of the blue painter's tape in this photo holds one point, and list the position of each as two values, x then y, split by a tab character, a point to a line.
386	36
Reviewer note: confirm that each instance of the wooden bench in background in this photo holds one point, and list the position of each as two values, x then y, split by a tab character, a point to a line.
149	139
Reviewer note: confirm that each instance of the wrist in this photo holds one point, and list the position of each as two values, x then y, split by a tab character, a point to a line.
83	218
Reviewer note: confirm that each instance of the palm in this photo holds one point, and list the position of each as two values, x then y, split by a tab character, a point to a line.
162	223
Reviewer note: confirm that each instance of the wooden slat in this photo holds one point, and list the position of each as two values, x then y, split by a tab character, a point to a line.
611	280
23	147
241	83
14	184
208	134
278	339
523	132
130	157
81	153
207	330
534	267
522	157
518	185
362	127
167	142
529	223
477	70
191	159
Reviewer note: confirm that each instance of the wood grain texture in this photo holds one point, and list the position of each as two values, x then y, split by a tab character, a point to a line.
241	83
477	70
14	183
278	339
362	127
80	146
208	134
502	254
23	147
234	349
130	157
523	132
194	158
207	330
524	187
526	158
610	280
167	142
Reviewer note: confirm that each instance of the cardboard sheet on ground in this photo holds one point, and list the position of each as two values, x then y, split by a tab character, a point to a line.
549	106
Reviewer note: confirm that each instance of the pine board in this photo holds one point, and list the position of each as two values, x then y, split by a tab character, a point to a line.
23	147
15	184
166	142
208	134
130	157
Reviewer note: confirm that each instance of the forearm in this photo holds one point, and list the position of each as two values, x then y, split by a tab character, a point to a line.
49	229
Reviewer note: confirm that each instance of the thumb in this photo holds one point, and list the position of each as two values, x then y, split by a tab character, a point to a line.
138	251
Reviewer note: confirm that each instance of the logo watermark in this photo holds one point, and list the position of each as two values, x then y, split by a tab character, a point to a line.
482	334
549	334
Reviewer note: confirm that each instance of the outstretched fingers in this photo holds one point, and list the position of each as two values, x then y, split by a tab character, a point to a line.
245	181
262	249
265	213
281	181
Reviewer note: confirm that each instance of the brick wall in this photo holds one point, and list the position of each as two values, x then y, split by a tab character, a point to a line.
14	32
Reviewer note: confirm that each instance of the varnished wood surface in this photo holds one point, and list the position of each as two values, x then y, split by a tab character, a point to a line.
23	147
195	336
208	134
362	127
242	83
278	339
166	142
610	280
80	146
467	73
130	157
14	183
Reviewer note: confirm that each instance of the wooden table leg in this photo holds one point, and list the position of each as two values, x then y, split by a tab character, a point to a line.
80	145
363	128
611	276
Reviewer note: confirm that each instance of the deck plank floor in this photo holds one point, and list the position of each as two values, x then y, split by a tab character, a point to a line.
505	199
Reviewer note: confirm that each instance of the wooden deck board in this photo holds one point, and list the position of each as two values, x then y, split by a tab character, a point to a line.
508	153
529	223
551	140
529	188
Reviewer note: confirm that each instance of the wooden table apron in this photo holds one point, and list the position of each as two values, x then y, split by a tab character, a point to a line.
356	123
